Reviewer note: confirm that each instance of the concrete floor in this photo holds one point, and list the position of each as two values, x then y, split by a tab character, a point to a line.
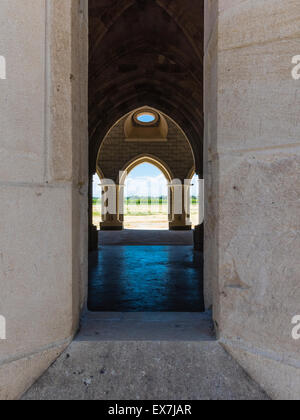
156	355
145	357
146	277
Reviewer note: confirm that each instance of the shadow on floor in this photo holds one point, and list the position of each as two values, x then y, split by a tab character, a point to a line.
146	278
146	237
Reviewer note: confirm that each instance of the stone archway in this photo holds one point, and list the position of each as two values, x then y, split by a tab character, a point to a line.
153	160
157	163
165	145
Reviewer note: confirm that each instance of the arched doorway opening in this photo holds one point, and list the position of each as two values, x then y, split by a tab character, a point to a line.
145	260
145	100
130	143
146	203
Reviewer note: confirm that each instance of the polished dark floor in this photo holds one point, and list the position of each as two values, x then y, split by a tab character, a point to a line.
124	278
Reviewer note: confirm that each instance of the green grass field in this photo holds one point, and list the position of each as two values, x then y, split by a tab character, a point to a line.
147	212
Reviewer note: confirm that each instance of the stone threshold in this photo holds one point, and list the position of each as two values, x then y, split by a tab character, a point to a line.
146	326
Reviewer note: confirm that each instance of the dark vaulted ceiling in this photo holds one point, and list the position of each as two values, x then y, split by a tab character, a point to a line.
146	52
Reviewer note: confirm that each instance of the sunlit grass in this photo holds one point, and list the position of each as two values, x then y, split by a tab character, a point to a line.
145	212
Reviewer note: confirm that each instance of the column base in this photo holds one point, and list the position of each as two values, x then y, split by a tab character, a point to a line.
174	226
107	226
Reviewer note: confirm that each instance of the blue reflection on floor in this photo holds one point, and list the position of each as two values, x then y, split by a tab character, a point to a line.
146	279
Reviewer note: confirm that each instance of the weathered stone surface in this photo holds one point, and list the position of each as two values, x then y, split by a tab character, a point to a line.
248	22
252	173
259	277
17	376
67	108
43	218
35	267
255	85
211	294
22	99
281	380
210	20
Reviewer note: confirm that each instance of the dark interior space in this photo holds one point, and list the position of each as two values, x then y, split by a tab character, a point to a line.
145	53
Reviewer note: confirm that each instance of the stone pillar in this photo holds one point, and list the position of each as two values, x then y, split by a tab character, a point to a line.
199	228
252	166
43	172
121	203
111	206
170	204
187	200
179	206
93	232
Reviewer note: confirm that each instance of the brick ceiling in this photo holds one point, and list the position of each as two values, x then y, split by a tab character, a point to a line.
146	52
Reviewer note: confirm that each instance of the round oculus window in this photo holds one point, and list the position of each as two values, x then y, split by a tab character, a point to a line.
146	117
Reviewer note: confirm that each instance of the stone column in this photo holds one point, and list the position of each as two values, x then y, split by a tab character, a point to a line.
252	166
199	228
170	204
179	206
93	232
187	200
111	206
43	172
120	203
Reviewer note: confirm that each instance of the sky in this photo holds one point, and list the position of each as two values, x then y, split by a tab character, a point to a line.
144	180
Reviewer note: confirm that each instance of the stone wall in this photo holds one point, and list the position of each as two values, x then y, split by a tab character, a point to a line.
115	153
253	177
43	188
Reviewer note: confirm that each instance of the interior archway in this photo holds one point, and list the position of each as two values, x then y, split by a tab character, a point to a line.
152	160
146	201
